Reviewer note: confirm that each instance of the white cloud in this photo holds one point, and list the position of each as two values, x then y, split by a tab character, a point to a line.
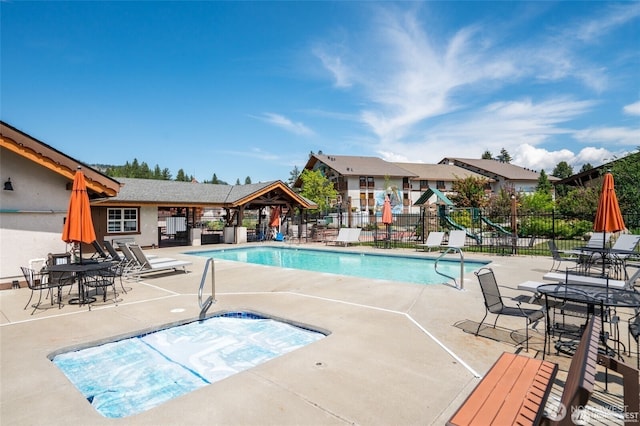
623	136
286	124
632	109
334	64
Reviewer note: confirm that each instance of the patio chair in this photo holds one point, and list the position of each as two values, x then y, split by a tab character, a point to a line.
434	239
41	281
558	259
100	280
493	303
634	331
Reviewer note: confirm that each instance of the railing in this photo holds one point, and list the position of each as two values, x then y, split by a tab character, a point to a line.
447	251
204	306
487	233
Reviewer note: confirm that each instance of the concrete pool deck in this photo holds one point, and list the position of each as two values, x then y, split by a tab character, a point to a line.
397	353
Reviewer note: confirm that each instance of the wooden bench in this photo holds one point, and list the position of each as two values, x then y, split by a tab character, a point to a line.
516	388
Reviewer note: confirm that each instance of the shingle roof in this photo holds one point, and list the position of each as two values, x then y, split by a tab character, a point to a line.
445	172
496	168
153	191
349	165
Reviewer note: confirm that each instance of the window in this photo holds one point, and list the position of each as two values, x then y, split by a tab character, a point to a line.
370	182
363	182
424	184
440	184
122	220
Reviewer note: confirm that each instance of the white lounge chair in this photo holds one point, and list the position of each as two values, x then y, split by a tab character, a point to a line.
456	239
561	277
147	266
434	239
346	236
125	248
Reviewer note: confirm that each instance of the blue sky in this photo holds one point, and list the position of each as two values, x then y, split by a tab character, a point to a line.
251	88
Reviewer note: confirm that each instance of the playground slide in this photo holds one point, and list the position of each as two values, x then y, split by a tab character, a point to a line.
495	226
462	228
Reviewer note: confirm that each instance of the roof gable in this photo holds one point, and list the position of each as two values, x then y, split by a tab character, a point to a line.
46	156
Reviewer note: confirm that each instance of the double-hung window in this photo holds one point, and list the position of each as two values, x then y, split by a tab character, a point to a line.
122	220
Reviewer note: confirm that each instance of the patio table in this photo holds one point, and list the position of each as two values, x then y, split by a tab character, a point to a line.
80	270
592	296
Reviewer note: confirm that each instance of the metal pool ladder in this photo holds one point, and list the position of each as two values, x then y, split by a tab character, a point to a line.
204	306
447	251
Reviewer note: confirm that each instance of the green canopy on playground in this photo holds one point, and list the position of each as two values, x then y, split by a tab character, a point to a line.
424	198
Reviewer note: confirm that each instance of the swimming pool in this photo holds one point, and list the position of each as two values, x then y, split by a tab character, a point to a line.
130	375
411	269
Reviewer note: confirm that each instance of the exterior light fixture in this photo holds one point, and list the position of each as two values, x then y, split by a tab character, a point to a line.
8	186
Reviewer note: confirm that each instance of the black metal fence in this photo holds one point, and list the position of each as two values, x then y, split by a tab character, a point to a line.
485	233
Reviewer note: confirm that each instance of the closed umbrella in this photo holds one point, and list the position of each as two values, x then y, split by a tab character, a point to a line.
78	226
387	217
274	219
608	215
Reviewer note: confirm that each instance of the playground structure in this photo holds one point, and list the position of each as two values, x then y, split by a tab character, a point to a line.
479	228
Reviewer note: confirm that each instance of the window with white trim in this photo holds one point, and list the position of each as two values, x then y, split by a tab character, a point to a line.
122	220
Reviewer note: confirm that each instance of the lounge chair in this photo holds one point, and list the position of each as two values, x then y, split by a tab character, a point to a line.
100	253
558	259
112	251
146	266
346	236
125	248
574	278
493	303
434	239
456	239
621	251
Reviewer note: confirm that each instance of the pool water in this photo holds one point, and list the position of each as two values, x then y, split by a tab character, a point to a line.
132	375
411	269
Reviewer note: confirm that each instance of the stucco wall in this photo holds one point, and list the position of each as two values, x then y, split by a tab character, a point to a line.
31	216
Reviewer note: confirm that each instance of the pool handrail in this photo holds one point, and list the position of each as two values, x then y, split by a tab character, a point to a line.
204	306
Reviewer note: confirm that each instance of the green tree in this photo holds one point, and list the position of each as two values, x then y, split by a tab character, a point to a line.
237	181
470	192
317	188
181	177
562	170
585	167
625	174
538	202
247	180
504	156
579	203
487	155
544	185
293	176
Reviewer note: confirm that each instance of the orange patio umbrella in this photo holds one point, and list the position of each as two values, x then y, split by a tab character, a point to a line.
78	226
387	217
608	215
274	220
